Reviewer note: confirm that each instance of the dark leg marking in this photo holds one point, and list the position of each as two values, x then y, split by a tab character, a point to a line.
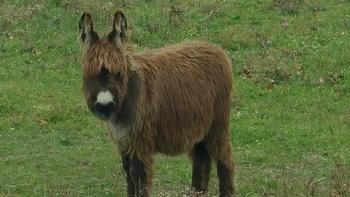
139	177
225	180
201	167
126	167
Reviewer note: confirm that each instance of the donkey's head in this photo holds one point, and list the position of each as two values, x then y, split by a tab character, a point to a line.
104	65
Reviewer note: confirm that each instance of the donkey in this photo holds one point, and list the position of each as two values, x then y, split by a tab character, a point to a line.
171	100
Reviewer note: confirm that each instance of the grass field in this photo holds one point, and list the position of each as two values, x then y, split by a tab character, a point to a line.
290	116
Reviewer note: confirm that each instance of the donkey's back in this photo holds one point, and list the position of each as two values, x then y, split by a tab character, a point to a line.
189	87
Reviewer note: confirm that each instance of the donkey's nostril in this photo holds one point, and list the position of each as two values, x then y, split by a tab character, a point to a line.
104	111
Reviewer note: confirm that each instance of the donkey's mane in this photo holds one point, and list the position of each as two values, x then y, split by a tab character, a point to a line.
104	54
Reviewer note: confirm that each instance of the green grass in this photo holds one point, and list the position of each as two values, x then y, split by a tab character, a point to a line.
290	138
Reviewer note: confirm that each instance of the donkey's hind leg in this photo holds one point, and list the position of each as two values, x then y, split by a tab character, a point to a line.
225	171
200	167
220	149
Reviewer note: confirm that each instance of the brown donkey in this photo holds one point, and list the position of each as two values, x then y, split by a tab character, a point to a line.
171	100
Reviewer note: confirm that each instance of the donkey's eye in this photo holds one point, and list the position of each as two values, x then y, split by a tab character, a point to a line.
87	83
118	77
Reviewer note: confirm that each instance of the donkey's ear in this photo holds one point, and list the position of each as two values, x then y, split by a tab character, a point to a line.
118	35
86	29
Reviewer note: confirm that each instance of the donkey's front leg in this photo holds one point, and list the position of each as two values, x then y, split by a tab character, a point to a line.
126	167
141	174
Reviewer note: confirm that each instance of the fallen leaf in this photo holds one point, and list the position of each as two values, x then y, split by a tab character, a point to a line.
270	83
321	80
285	23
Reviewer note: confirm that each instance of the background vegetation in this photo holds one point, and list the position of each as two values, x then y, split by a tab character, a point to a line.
290	114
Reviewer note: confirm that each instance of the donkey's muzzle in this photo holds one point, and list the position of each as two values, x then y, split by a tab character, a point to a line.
104	111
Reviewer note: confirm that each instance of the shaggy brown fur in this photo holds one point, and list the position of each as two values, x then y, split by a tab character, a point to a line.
171	100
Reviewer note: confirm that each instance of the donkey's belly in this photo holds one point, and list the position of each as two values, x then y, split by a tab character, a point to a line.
176	141
178	131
